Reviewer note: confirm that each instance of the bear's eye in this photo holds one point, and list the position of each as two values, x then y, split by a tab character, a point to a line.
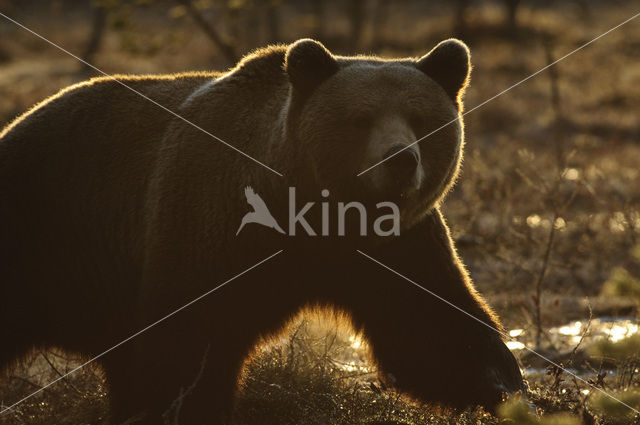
416	121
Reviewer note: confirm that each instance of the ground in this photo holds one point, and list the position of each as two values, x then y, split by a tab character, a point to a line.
547	209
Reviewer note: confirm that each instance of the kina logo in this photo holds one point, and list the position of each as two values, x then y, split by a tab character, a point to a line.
260	213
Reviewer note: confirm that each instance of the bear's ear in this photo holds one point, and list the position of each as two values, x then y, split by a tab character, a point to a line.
449	65
308	63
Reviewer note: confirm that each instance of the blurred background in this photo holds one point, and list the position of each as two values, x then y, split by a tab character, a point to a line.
546	214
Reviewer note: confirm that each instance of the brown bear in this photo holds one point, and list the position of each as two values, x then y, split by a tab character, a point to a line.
115	213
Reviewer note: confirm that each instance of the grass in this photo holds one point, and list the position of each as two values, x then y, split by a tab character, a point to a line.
315	377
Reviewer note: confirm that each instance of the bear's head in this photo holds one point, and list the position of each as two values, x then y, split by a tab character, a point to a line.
355	122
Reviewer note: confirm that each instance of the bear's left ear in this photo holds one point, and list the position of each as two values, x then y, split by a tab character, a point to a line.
308	63
449	65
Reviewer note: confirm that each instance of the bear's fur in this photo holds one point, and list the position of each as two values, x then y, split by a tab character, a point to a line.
115	212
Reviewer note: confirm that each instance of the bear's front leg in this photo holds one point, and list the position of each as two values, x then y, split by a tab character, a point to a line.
431	349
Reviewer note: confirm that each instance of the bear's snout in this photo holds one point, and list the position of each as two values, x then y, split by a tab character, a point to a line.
402	162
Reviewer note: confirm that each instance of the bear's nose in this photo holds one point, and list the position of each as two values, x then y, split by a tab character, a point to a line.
402	160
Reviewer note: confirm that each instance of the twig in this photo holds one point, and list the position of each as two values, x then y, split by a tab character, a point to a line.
541	276
26	381
226	48
66	381
98	27
171	415
586	330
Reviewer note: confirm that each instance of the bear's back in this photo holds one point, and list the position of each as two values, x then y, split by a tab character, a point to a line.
74	172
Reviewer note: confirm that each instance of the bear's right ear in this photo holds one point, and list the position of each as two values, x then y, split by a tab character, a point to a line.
308	63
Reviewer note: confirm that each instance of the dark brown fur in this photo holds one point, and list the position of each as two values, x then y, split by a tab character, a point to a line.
115	213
